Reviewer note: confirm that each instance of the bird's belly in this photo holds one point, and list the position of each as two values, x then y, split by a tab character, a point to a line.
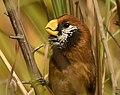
65	83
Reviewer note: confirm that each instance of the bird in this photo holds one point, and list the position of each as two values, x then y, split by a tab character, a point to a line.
72	69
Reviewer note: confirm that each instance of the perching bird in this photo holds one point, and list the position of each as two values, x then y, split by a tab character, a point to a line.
72	65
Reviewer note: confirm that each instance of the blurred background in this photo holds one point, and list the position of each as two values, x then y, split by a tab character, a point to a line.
34	15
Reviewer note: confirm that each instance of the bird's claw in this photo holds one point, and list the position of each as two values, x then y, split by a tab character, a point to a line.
39	81
43	82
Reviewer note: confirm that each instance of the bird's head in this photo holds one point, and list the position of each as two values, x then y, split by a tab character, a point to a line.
66	31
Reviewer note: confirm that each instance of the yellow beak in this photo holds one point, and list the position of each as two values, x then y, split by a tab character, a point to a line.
51	27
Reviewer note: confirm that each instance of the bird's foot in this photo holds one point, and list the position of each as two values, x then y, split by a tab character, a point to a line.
39	81
43	82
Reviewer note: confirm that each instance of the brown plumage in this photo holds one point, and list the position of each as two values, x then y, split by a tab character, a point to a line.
72	65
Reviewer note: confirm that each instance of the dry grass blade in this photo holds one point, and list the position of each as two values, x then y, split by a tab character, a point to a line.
97	53
11	86
78	11
77	8
112	37
37	48
19	83
30	92
104	40
45	59
71	7
103	71
118	9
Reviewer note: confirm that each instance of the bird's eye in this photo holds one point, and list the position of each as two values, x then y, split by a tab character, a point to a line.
66	25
